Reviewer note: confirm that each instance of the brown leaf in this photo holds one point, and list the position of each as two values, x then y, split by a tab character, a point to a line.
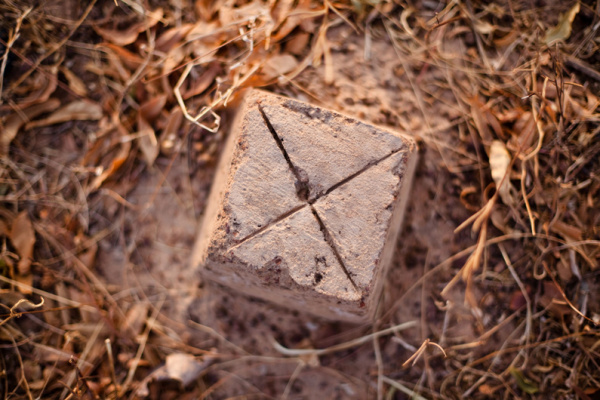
151	109
148	112
75	82
279	65
181	367
113	144
25	280
169	135
198	84
4	228
147	141
524	130
169	38
135	319
41	88
22	237
569	232
298	43
127	58
15	121
88	257
302	14
77	110
480	120
553	299
129	35
499	164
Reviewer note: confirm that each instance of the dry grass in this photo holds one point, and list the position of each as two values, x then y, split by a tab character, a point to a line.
102	91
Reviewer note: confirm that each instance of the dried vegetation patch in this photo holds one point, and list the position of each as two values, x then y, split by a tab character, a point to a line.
92	96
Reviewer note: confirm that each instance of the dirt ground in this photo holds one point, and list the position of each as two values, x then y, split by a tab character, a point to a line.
494	291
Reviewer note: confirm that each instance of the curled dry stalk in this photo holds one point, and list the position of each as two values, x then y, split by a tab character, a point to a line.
13	313
342	346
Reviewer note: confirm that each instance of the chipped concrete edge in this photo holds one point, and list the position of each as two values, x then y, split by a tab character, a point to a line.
214	202
409	141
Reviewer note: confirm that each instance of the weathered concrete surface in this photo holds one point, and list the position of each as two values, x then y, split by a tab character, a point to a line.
306	208
286	243
360	217
293	256
253	186
345	145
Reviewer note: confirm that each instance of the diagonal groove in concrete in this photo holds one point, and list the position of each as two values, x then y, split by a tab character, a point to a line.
270	224
329	240
354	175
301	182
302	190
301	185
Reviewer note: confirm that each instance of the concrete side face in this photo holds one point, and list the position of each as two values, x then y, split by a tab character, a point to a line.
208	230
406	171
326	146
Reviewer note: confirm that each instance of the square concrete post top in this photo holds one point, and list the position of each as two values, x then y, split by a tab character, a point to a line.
306	207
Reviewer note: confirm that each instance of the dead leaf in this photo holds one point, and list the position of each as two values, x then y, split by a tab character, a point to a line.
562	30
499	163
168	39
75	82
88	257
524	129
487	389
524	384
128	59
184	368
507	39
135	319
198	84
129	35
41	86
78	110
480	120
484	27
553	300
22	237
151	109
298	43
302	14
279	65
180	367
147	141
148	112
169	135
569	232
15	121
113	144
26	280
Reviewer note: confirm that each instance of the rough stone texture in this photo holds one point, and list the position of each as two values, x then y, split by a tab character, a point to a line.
345	145
305	208
359	214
